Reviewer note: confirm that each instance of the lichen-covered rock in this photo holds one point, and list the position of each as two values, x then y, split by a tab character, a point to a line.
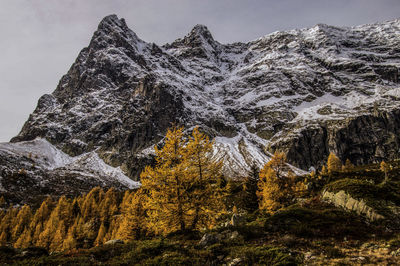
209	239
344	200
114	242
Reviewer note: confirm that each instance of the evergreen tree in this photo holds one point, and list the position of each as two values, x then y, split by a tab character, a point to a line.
250	187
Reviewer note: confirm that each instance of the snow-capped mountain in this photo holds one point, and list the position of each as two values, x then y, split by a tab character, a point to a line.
306	92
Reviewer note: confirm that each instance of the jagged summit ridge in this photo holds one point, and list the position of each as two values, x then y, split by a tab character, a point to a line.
114	32
301	91
199	35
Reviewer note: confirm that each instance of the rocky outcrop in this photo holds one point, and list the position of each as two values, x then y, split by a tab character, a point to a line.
362	139
114	242
344	200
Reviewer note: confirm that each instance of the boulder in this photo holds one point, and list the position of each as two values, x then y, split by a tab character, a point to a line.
209	239
114	242
237	220
34	252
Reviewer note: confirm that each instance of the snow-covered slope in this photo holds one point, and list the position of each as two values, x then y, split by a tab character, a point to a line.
47	157
306	92
30	170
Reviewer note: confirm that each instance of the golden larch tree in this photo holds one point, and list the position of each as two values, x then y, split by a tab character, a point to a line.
348	166
277	185
21	221
334	163
100	235
166	185
385	167
204	193
132	224
182	188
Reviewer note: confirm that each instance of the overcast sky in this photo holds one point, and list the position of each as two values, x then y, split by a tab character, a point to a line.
39	40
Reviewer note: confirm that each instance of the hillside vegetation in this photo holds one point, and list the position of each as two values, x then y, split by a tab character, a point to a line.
187	213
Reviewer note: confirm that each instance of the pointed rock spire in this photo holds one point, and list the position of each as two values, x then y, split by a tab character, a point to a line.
114	31
112	22
197	43
201	31
199	36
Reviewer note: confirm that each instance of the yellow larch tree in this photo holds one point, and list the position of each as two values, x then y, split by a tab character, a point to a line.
7	223
324	171
166	185
54	229
108	206
3	239
277	186
182	189
21	221
58	237
24	240
100	235
348	166
70	241
132	224
385	167
334	163
204	172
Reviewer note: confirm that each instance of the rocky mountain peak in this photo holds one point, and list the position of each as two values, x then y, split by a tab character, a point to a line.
200	32
304	92
110	20
113	31
198	43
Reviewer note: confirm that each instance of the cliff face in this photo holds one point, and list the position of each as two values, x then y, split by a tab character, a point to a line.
307	92
363	139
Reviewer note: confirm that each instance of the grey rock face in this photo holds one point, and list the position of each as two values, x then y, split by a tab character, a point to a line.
362	139
344	200
209	239
307	92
